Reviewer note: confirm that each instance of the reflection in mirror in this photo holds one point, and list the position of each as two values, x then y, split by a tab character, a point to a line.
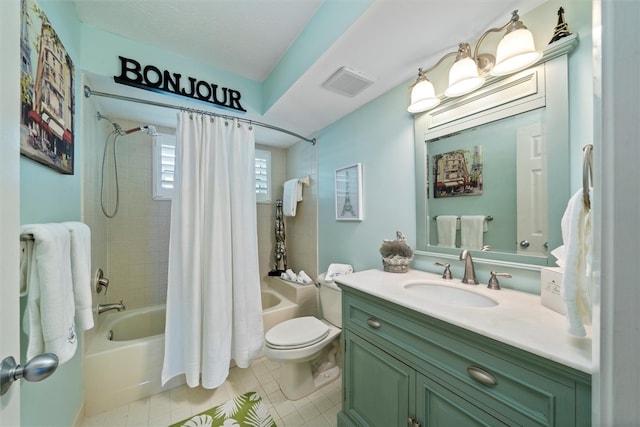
513	137
495	170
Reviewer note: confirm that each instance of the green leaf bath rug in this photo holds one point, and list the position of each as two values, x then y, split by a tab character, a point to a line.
246	410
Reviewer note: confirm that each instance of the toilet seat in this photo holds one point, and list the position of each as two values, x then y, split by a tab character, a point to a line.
296	333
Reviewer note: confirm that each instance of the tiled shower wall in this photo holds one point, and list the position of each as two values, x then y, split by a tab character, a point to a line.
139	234
302	229
301	236
132	247
266	212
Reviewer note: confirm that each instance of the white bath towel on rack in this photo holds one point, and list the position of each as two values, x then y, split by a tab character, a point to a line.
26	252
576	286
292	194
446	226
81	272
472	229
49	316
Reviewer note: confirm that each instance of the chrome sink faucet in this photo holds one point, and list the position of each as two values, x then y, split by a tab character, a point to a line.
469	270
106	307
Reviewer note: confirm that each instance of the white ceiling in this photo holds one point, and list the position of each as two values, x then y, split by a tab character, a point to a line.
389	41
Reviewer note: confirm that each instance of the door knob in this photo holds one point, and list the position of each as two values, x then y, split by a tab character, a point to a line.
524	244
36	369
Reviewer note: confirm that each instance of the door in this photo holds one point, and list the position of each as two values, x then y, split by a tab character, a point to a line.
531	191
378	386
9	199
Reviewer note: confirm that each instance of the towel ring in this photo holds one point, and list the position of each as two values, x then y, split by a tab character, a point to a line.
587	173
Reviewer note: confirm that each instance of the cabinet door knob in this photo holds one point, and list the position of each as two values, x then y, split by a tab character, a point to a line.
411	422
482	376
373	322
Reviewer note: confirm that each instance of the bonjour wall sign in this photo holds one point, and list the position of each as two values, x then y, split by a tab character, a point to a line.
150	77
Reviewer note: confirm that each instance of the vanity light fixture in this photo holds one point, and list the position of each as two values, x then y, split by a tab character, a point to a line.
516	51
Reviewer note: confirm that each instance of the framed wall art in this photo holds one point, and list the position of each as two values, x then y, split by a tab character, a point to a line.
349	193
47	93
458	173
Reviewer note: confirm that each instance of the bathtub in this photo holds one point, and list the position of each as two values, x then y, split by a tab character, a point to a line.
276	308
124	361
126	367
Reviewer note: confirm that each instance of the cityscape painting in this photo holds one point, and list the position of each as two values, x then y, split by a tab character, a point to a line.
47	96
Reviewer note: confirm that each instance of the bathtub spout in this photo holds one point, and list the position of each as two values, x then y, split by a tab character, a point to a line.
115	306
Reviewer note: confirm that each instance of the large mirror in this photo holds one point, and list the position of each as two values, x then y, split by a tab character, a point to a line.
494	165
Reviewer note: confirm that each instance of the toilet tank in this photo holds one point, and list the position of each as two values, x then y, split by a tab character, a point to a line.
331	302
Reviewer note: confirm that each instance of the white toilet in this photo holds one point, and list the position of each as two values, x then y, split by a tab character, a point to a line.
308	347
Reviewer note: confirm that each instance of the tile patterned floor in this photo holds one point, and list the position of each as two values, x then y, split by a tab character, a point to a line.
319	409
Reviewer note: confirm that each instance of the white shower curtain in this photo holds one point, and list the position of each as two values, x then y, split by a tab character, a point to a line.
214	309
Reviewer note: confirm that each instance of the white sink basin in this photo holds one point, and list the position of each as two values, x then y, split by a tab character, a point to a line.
449	295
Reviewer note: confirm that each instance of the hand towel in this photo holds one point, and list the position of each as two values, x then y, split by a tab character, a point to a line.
304	278
291	275
472	228
291	196
81	272
446	226
576	281
336	270
49	315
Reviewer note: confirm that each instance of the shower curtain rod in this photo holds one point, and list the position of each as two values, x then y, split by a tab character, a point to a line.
88	92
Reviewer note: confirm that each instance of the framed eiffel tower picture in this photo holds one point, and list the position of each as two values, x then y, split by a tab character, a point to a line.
349	193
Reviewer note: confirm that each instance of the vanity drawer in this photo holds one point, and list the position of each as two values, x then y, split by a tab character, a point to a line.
528	390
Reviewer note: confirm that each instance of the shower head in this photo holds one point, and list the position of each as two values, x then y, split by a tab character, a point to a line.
151	130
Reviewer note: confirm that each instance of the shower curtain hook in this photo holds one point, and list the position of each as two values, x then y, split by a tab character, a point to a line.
250	125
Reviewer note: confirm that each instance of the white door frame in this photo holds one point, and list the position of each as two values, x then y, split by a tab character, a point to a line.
10	199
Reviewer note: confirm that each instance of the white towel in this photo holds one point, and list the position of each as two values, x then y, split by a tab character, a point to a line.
49	316
472	228
291	196
26	252
336	270
576	281
81	272
446	226
291	275
304	278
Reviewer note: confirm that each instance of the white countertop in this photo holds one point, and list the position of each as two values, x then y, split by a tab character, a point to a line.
518	320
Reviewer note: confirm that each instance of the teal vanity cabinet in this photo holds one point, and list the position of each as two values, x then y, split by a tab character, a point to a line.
402	368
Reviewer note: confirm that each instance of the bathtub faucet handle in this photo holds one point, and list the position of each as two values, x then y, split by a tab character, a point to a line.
101	281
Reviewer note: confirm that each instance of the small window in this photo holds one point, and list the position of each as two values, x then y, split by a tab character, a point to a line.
164	160
263	176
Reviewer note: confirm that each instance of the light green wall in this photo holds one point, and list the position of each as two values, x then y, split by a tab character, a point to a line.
380	136
48	196
100	51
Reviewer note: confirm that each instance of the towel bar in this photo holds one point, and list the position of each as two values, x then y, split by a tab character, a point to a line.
488	218
26	237
587	173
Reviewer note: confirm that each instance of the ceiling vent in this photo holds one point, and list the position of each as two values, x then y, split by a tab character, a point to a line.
348	82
